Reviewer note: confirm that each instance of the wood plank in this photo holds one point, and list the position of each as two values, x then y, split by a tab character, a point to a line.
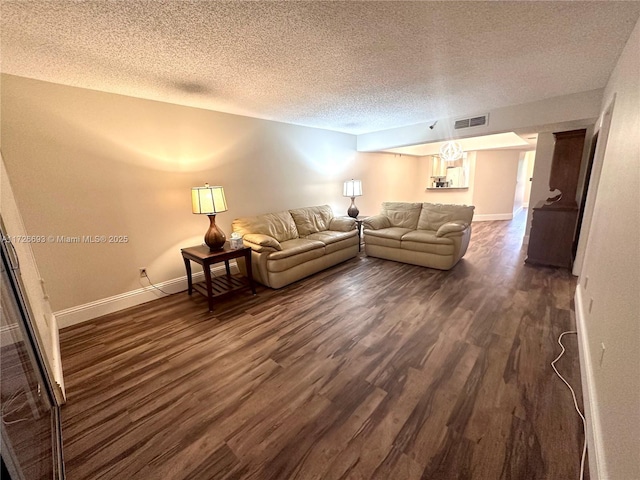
370	369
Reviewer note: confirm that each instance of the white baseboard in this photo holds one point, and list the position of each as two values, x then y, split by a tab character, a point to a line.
488	217
88	311
597	464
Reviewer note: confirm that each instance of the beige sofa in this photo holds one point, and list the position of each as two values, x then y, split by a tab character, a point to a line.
293	244
426	234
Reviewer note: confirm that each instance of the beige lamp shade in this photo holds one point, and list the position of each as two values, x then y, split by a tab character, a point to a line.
208	200
352	188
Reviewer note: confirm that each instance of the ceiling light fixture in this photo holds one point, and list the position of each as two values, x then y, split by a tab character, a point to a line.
451	151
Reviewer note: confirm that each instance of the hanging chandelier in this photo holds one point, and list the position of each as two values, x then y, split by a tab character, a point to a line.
451	151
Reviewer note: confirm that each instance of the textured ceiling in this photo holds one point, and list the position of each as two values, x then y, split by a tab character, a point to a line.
349	66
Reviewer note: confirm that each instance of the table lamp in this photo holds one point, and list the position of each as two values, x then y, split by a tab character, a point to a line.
353	189
210	201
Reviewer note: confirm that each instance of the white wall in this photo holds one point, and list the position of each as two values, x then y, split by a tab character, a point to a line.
610	282
83	162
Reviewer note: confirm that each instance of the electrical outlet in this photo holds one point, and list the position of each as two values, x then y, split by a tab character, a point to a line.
143	272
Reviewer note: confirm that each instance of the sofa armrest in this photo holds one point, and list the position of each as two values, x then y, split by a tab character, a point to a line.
451	228
376	222
261	243
342	224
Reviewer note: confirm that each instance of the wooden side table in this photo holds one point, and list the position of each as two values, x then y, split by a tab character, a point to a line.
359	219
217	286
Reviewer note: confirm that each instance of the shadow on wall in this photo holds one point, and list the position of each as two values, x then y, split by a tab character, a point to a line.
171	143
327	153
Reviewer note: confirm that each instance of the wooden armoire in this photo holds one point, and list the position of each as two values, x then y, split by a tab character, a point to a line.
553	225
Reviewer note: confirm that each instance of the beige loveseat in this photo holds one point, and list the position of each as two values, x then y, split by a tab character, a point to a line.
293	244
426	234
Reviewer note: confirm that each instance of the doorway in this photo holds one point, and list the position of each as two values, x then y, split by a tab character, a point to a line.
592	179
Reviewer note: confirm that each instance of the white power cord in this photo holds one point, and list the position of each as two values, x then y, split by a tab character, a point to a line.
13	409
146	275
575	401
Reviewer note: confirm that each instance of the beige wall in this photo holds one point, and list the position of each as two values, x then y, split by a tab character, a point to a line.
459	196
520	183
492	184
495	181
42	317
91	163
610	280
385	177
530	160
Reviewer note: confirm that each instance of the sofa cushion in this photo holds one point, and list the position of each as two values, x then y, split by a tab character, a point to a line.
342	224
375	222
312	219
350	243
386	237
452	228
278	225
427	247
428	242
434	215
294	252
330	236
295	247
402	214
395	233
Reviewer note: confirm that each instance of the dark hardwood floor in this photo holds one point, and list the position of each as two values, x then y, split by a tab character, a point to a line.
372	369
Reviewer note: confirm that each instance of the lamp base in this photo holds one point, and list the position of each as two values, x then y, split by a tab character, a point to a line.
353	210
214	238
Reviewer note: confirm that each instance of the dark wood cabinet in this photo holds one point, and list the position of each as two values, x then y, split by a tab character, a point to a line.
553	225
551	238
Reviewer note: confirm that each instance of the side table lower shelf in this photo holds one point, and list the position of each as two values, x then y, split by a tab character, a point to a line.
221	285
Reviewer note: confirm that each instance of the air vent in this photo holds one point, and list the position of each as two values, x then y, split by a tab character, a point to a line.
478	121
